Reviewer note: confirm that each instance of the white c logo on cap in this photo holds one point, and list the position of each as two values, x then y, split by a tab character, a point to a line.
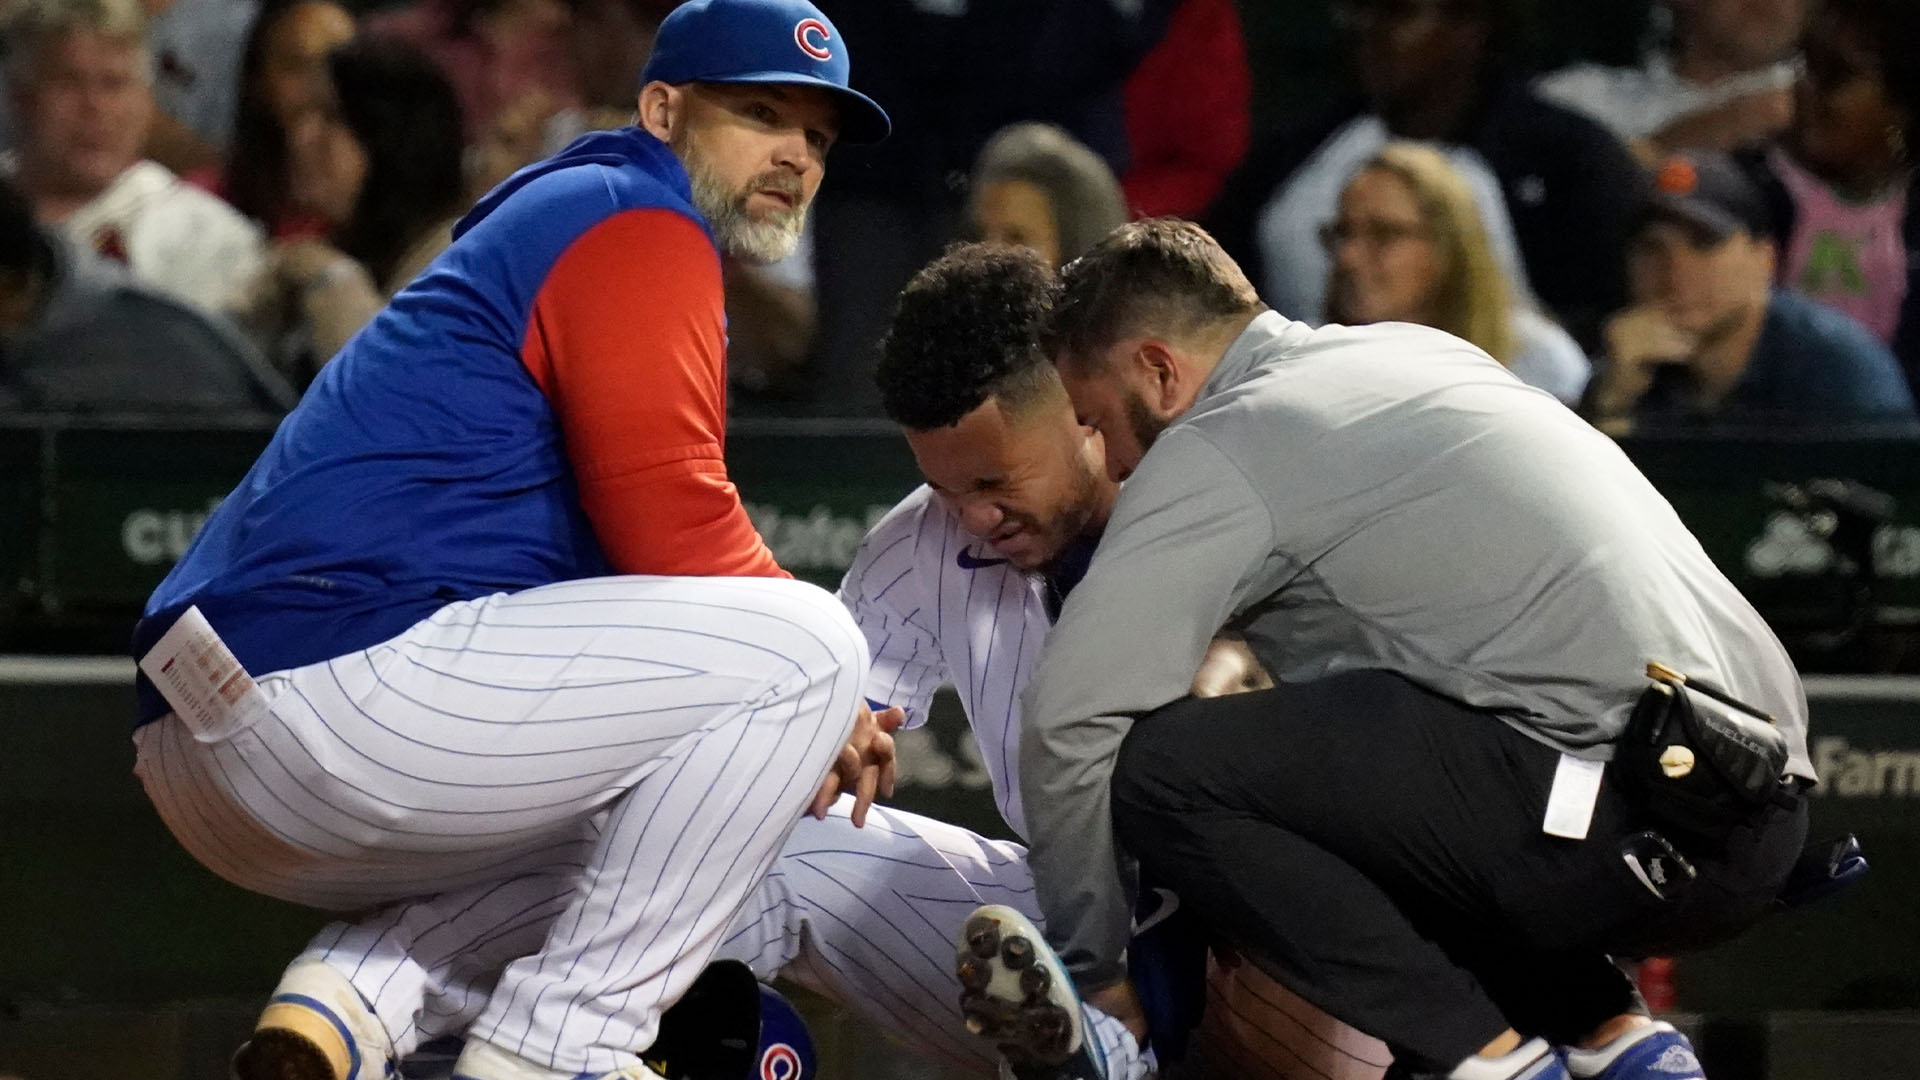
805	35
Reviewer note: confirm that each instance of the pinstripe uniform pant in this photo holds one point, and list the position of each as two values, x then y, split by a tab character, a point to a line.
555	801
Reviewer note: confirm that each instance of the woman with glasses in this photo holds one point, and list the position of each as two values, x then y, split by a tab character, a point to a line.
1441	71
1408	246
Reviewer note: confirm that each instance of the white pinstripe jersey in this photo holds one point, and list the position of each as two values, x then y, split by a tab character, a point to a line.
937	605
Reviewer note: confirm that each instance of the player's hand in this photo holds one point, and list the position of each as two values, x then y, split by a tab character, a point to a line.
1229	668
865	765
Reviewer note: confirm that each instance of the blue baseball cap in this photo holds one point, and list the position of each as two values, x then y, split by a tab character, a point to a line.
763	41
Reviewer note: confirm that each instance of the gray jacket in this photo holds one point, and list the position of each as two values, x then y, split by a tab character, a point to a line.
1372	497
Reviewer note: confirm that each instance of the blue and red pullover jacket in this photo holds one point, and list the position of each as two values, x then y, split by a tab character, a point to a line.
546	402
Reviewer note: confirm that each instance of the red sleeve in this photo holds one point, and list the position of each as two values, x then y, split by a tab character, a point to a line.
626	341
1188	110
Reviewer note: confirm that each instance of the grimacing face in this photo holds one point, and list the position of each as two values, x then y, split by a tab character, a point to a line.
1028	483
756	155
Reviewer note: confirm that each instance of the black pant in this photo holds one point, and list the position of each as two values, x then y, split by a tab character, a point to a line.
1377	848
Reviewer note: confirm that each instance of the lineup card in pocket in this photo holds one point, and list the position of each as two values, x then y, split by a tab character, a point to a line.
201	678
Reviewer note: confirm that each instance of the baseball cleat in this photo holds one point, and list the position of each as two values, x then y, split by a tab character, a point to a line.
1652	1052
1014	993
316	1027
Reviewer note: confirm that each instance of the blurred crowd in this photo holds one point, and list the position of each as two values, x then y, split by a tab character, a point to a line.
202	200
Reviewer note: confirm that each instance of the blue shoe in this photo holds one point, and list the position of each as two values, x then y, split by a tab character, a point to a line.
1657	1053
1167	962
1015	993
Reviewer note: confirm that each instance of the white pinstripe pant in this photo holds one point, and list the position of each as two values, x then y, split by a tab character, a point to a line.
580	784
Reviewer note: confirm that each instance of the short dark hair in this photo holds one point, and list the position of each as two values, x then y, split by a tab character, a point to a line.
967	328
1164	274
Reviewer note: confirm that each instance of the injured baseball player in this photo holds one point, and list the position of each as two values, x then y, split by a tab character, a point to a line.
961	582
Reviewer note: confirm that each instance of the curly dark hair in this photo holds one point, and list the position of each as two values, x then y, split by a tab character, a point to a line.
967	328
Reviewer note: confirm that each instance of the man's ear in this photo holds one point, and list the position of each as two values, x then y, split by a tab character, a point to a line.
1162	369
660	109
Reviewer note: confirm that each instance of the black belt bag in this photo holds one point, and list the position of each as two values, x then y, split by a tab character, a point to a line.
1700	763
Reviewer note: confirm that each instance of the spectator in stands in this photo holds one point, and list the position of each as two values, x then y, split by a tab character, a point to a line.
609	40
82	338
1038	187
1709	340
1408	246
83	92
1842	183
380	160
1189	112
1555	190
196	46
510	61
283	77
1724	80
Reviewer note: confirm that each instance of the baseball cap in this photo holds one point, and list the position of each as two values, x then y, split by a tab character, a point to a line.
1710	192
787	42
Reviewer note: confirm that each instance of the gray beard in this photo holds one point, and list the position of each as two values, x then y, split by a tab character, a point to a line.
756	241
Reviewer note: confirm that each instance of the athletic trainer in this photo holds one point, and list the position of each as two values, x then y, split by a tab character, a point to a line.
1459	588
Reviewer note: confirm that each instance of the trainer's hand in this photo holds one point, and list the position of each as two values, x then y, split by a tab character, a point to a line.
865	765
1229	667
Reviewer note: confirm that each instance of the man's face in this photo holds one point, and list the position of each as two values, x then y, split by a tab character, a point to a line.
756	155
86	108
1114	396
1701	283
1028	483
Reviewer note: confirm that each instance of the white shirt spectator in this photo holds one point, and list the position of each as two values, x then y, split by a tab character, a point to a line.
1637	102
171	235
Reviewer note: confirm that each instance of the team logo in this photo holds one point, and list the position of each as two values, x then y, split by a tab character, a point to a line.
1678	1060
812	36
780	1061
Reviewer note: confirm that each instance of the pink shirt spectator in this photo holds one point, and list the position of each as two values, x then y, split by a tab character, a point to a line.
489	72
1846	255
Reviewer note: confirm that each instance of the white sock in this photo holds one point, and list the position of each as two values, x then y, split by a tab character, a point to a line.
1594	1062
1526	1061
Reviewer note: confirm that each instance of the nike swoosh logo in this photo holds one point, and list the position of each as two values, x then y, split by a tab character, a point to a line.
1169	903
969	561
